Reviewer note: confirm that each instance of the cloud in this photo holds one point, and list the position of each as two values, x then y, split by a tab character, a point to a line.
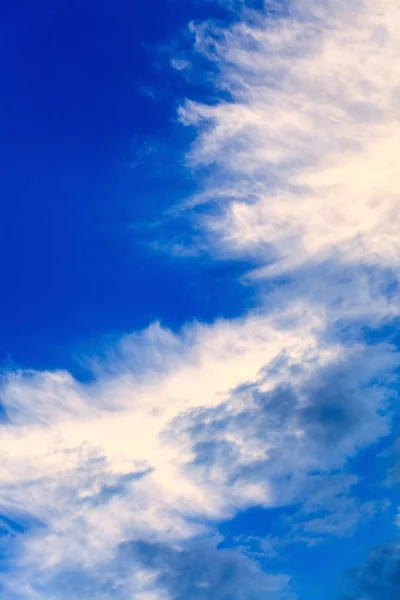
103	452
199	569
303	157
151	570
284	434
160	455
124	480
379	577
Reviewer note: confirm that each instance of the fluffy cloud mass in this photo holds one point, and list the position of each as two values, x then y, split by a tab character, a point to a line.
120	483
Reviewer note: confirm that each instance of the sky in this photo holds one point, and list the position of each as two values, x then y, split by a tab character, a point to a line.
200	302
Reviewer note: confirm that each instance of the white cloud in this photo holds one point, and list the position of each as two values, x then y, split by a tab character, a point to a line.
180	64
306	152
68	443
116	461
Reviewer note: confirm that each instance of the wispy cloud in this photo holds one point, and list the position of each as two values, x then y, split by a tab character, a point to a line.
305	149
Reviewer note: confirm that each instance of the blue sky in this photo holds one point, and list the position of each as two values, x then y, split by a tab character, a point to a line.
88	95
199	317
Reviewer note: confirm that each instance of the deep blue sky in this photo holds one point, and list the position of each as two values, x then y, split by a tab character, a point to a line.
86	166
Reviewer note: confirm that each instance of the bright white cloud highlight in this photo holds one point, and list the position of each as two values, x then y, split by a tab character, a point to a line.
305	152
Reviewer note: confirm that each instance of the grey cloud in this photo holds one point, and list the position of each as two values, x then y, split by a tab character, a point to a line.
115	486
389	459
198	571
379	578
298	438
337	408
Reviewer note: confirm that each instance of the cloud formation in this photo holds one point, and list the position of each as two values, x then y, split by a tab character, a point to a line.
379	577
121	482
307	143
